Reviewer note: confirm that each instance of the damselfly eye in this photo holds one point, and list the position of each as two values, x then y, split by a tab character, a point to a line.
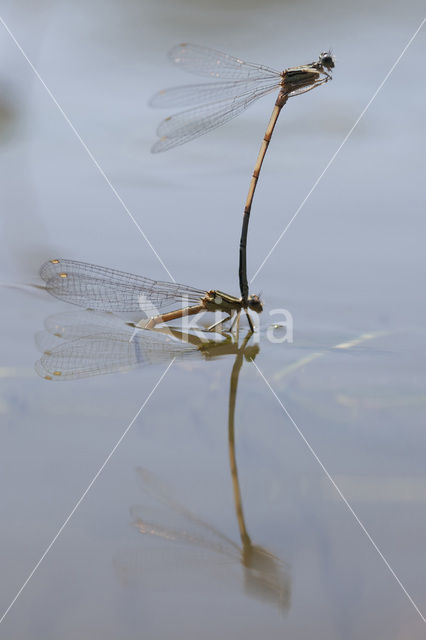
327	60
255	304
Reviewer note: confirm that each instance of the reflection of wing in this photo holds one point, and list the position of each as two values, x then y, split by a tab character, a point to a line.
190	124
265	576
210	63
93	343
191	537
153	487
94	287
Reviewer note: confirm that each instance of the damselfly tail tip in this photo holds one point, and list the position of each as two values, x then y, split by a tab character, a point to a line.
142	324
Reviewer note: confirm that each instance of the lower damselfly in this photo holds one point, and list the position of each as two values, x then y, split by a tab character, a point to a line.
235	85
103	289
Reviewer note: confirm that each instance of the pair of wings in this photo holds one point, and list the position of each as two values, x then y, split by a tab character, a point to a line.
93	287
238	85
90	343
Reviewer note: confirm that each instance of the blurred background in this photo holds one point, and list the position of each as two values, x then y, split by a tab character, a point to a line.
350	269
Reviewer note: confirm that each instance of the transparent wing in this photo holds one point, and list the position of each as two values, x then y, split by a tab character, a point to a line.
156	489
194	530
191	537
207	92
210	63
105	289
77	324
190	124
77	346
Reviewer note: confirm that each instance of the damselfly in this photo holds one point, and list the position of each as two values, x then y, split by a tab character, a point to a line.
104	289
238	85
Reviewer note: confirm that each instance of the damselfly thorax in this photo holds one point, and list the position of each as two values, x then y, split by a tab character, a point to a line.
306	77
213	301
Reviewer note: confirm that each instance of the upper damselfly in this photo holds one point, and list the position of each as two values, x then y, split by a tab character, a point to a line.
235	85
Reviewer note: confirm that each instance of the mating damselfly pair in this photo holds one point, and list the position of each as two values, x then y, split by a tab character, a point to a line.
235	84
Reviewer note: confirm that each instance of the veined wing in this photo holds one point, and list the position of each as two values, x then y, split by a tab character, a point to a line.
190	124
101	288
94	349
210	63
207	92
71	325
101	354
154	488
194	531
190	536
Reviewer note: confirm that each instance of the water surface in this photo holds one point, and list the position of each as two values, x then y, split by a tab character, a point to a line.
155	550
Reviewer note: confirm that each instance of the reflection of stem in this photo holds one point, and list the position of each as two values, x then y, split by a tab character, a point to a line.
245	538
239	351
264	577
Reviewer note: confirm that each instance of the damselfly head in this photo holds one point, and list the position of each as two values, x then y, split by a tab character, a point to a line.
326	60
251	352
255	304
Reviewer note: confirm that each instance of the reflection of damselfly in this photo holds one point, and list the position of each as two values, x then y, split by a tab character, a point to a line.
104	289
266	576
80	344
238	85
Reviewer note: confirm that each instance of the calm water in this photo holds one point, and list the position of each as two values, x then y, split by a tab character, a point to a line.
156	549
